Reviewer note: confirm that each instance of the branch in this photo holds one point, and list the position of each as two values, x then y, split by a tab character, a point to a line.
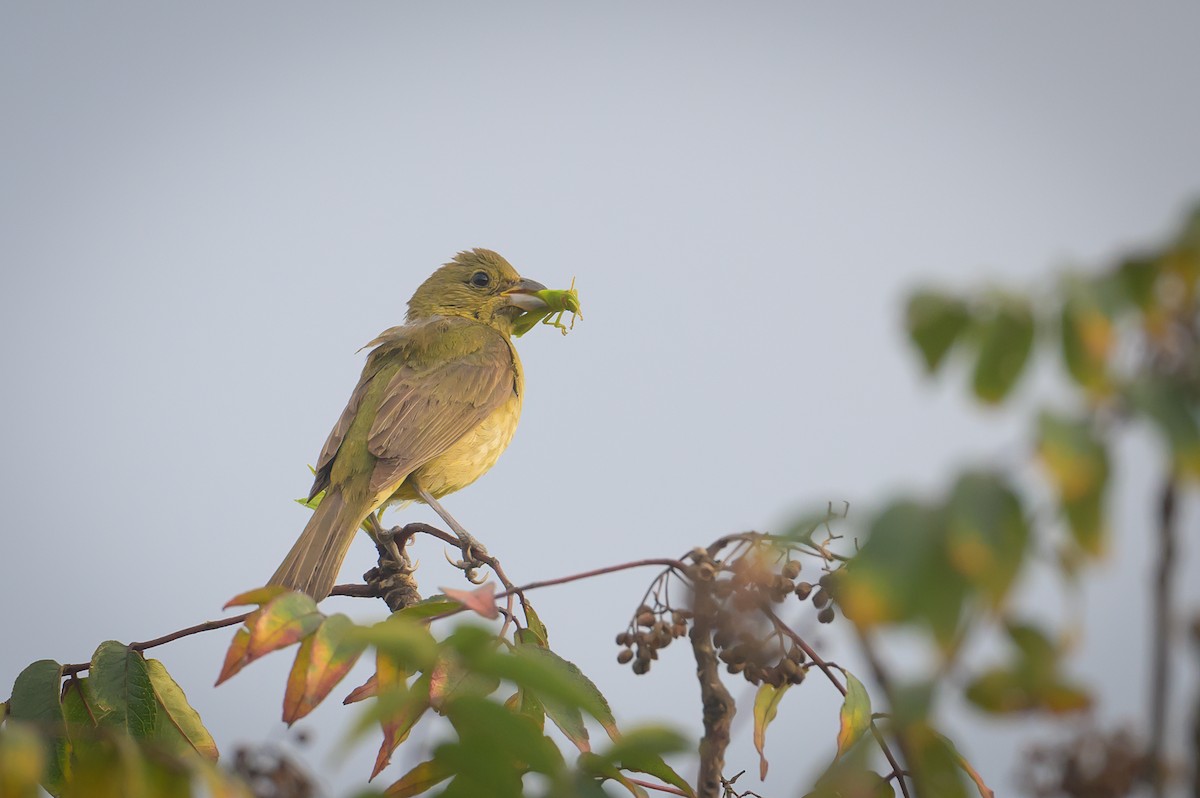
1160	674
718	705
366	591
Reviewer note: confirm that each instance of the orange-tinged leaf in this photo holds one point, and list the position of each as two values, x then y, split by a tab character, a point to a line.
855	716
333	654
180	724
482	600
449	679
391	679
324	659
420	779
984	790
766	704
235	657
281	622
398	724
1077	463
259	595
297	684
368	689
1063	698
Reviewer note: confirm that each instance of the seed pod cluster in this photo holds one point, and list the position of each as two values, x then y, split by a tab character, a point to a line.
742	634
651	631
824	596
761	657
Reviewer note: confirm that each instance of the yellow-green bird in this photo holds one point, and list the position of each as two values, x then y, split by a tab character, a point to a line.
438	401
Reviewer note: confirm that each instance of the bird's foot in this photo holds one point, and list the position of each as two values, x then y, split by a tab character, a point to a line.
474	557
393	578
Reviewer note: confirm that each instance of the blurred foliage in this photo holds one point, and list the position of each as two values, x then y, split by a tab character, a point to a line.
943	567
1126	339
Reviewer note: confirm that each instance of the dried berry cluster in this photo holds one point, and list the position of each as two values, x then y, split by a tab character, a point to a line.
745	639
652	630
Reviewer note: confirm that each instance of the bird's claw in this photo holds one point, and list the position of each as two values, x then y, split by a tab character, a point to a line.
474	557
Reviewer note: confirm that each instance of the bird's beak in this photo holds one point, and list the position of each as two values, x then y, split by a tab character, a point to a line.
523	295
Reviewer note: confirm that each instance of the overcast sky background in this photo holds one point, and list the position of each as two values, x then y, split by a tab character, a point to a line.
205	210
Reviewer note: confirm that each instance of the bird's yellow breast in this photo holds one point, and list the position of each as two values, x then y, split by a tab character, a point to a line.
469	458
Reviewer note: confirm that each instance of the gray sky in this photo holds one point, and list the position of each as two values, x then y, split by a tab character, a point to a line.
205	211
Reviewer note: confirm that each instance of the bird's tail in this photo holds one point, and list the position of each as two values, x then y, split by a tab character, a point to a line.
314	561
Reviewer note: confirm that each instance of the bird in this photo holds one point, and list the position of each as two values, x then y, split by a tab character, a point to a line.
437	403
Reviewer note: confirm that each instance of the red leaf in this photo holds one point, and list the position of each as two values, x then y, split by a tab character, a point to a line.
368	689
410	706
481	600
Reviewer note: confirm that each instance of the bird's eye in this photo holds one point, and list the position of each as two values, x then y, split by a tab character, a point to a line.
480	279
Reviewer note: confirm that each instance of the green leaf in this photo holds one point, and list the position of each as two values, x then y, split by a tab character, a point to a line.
855	717
179	723
494	742
642	750
1031	681
988	533
429	608
535	631
419	779
560	686
766	705
405	639
1077	464
120	692
601	770
935	321
984	790
1137	277
999	691
1005	340
934	764
903	573
35	695
80	718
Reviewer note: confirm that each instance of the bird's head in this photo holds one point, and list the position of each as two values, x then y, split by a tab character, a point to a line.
477	284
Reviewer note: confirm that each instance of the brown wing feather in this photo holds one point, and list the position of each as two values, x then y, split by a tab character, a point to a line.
428	409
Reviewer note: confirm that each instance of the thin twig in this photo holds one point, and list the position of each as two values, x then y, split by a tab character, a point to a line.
885	684
207	626
562	580
827	669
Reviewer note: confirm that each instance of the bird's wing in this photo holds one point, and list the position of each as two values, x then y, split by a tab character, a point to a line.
461	377
451	375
